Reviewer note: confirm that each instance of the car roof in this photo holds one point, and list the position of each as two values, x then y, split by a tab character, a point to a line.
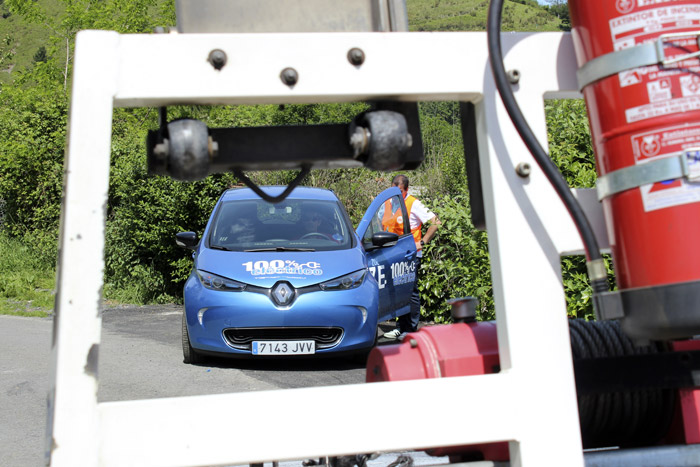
300	192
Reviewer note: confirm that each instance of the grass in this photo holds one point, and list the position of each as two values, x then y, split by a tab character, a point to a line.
423	15
470	15
27	281
27	40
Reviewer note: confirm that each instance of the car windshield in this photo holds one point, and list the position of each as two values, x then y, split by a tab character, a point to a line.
292	225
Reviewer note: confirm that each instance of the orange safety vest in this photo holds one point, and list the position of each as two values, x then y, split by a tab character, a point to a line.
393	222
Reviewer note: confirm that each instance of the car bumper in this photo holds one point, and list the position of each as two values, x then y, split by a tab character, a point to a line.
339	321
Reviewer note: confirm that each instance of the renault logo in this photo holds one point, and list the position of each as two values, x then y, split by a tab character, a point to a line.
282	293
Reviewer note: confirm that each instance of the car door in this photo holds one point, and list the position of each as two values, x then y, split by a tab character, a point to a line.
393	265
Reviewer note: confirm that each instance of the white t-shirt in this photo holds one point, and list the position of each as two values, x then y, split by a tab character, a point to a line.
419	214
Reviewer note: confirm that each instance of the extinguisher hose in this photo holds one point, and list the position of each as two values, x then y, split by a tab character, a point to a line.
633	416
596	265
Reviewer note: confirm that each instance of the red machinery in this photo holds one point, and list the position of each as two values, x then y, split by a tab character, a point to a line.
628	396
639	72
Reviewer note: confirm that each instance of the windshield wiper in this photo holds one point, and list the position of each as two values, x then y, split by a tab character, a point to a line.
219	247
278	248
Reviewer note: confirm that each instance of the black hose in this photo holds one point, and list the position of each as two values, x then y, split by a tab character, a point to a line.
550	170
635	417
305	169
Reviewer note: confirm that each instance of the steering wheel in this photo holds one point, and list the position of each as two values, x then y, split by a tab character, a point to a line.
314	234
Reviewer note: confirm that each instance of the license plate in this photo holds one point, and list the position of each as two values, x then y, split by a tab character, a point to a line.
284	347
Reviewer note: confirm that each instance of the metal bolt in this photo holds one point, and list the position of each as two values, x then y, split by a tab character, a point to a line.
523	169
161	150
414	343
213	148
359	141
356	56
289	76
513	76
217	58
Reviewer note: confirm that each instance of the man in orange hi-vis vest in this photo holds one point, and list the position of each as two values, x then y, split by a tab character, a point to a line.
393	220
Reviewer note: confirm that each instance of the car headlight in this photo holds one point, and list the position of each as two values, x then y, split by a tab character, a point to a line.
349	281
214	282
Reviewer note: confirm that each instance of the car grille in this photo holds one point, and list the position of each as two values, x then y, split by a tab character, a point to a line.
241	338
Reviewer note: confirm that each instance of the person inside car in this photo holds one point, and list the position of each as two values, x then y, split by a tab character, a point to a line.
314	225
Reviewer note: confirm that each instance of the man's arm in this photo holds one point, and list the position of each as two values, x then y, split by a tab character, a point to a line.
430	233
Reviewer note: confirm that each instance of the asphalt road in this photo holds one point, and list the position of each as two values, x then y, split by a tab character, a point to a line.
140	358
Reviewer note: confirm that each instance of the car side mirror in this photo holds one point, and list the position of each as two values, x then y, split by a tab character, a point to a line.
384	239
186	240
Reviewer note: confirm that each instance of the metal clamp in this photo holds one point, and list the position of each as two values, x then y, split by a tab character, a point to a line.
646	54
678	58
686	164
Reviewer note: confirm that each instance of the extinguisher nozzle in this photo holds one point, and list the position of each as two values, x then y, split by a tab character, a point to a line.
597	272
599	285
608	305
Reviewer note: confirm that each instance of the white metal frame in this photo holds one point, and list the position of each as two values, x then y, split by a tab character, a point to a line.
531	402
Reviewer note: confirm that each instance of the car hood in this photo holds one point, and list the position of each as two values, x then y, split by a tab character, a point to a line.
264	269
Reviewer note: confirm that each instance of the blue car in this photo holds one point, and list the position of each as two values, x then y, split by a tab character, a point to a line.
294	278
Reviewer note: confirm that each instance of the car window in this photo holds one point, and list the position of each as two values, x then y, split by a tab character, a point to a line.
386	219
244	225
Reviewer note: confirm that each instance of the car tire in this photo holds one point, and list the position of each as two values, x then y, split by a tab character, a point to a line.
361	357
189	354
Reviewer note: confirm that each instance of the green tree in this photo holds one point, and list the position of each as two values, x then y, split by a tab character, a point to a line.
560	8
32	138
119	15
570	149
6	50
570	141
40	55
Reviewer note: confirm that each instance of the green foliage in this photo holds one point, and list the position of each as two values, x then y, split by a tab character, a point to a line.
33	131
40	55
7	50
455	263
27	280
578	288
560	8
532	3
21	40
443	171
32	139
570	149
470	15
570	141
53	24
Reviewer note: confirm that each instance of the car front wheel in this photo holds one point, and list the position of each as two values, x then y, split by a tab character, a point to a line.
190	355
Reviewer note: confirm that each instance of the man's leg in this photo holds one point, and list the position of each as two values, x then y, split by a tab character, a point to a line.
404	322
411	320
414	315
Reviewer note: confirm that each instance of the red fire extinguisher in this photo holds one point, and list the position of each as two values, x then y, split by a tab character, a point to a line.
640	76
